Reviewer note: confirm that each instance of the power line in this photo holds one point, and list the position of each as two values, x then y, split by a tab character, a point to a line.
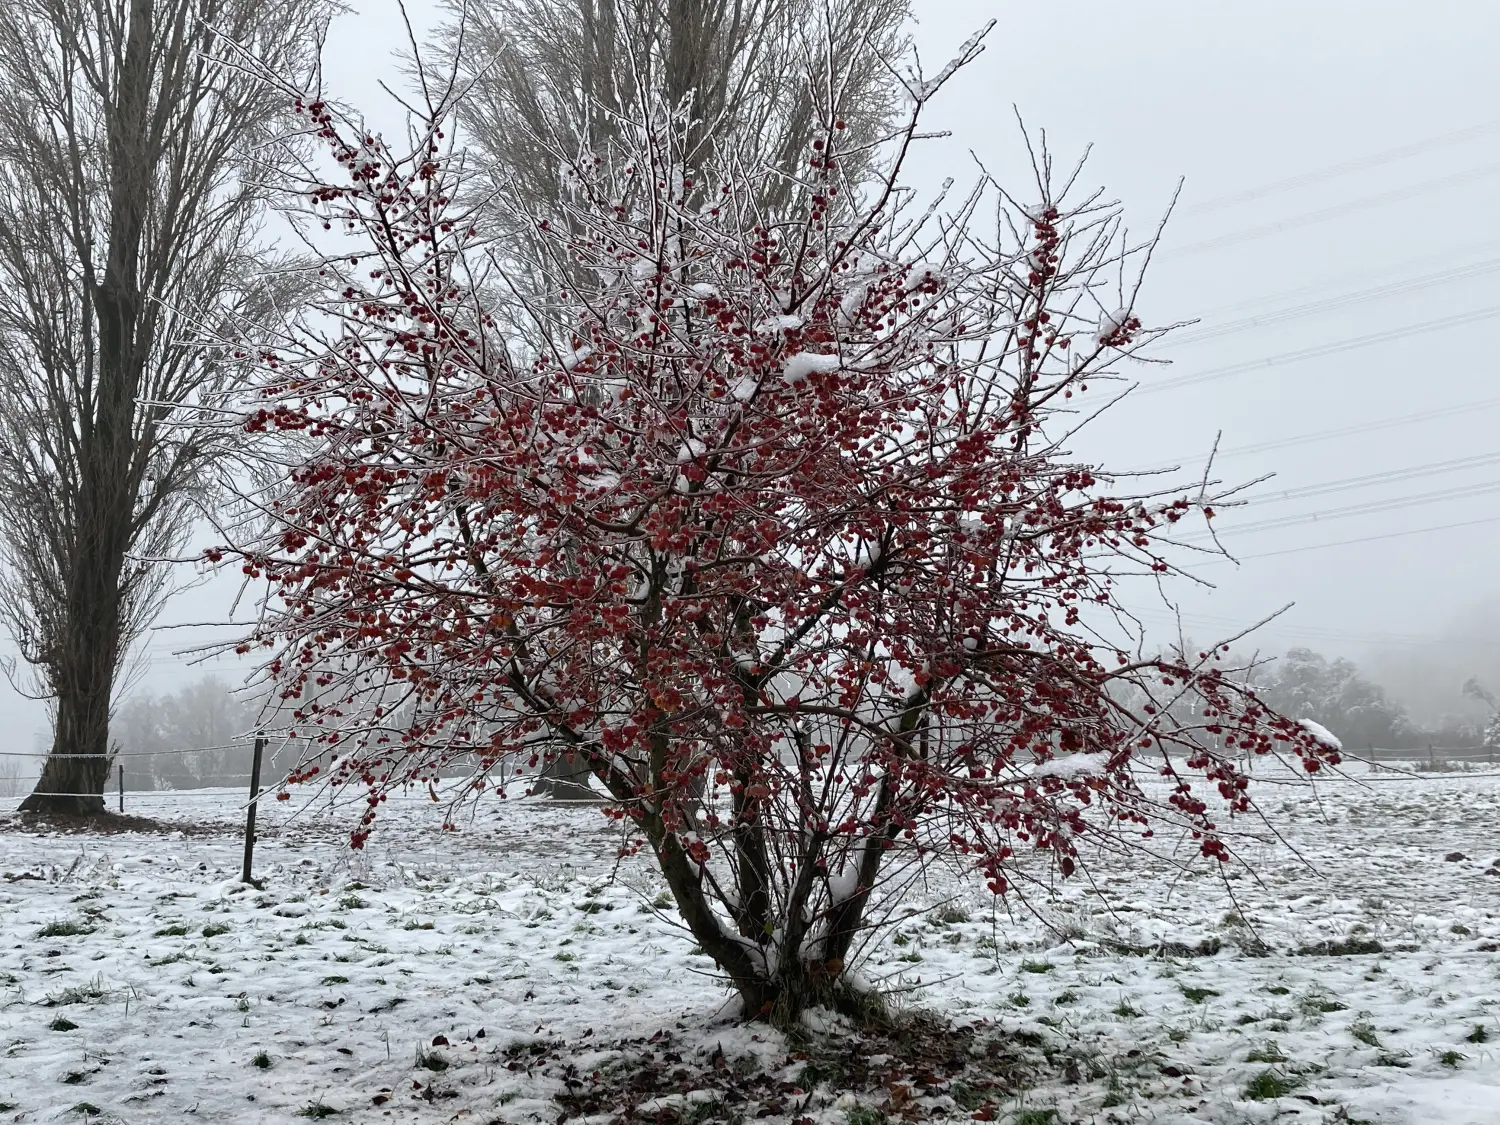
1332	304
1362	539
1390	476
1307	218
1342	431
1279	625
1343	168
1351	344
1398	269
1369	508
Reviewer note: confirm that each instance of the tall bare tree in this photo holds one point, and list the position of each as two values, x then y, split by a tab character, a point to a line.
753	76
132	157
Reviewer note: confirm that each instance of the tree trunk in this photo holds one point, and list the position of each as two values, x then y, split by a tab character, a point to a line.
566	778
83	672
86	656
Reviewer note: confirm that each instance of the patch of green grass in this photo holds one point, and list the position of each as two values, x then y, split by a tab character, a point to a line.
1198	995
1347	947
1278	989
859	1115
64	929
1268	1084
419	926
1480	1034
62	1023
78	994
1019	999
1178	1034
1315	1003
261	1060
1125	1010
317	1110
1037	966
172	959
88	1109
1363	1030
966	1096
1066	996
335	980
432	1061
1266	1052
215	929
951	914
1451	1058
352	902
176	929
1036	1117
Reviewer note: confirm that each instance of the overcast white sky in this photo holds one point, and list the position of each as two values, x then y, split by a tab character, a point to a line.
1235	98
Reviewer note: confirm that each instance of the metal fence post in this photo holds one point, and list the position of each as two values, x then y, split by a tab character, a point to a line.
245	877
121	777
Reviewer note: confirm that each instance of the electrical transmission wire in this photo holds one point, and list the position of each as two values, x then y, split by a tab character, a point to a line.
1401	269
1311	632
1389	476
1333	348
1364	539
1322	214
1343	168
1369	508
1332	304
1402	421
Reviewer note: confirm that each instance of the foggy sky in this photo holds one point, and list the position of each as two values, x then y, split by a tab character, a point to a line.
1230	98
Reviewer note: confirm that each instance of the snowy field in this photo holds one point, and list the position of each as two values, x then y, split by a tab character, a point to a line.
1354	975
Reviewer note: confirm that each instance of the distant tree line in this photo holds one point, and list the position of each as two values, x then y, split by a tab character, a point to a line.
1334	693
193	738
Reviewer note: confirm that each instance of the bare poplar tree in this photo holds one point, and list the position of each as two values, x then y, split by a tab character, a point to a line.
743	70
132	159
752	76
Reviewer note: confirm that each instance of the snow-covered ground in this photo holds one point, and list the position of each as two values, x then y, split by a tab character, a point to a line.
139	981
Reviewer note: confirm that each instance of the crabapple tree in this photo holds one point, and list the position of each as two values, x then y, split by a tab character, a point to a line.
784	546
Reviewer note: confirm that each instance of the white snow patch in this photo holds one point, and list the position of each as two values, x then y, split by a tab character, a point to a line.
803	364
1321	733
783	323
1069	765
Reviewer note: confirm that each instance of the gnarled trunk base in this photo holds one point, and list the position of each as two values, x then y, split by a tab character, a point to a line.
781	1000
75	773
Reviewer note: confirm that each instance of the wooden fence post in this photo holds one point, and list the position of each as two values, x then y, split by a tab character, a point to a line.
121	777
245	877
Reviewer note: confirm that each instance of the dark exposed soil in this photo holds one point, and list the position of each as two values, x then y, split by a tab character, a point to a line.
914	1069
